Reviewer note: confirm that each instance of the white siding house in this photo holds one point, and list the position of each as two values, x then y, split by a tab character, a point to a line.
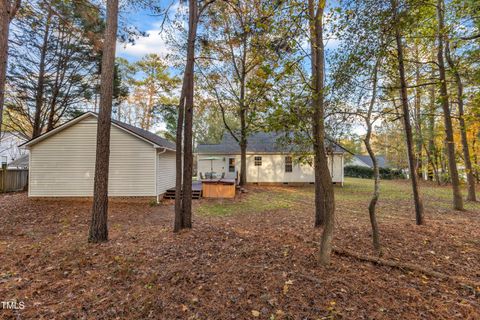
9	150
267	161
62	161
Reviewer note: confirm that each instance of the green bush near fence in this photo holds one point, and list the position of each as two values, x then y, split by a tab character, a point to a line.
367	173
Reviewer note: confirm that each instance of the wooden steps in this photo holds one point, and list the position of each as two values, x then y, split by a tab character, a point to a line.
170	194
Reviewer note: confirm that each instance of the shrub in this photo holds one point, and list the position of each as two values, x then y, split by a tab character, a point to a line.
367	173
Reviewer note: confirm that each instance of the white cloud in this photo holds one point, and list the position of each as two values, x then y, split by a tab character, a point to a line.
332	43
155	42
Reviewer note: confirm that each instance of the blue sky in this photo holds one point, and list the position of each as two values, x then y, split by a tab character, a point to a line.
155	42
147	22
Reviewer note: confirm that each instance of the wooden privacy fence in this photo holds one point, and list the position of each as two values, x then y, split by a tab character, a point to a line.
13	180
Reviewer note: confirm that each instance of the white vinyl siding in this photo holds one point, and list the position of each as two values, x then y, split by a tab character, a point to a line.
272	169
165	171
64	163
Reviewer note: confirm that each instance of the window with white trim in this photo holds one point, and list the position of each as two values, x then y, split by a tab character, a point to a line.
231	165
288	164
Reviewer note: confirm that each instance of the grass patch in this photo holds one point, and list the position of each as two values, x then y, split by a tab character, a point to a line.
258	201
354	190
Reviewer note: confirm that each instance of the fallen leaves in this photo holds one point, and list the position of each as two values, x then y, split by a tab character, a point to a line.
251	265
286	286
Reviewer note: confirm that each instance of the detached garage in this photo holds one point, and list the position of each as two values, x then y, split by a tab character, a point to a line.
62	161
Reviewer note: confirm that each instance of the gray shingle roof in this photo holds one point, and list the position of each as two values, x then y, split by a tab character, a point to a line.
381	161
260	142
21	162
147	135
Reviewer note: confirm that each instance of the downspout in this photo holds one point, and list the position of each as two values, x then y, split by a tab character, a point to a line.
343	168
29	169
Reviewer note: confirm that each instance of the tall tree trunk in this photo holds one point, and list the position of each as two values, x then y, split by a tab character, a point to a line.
406	118
59	78
98	227
4	32
443	156
418	118
53	104
319	198
431	149
447	117
243	131
188	129
471	196
183	208
243	161
324	195
376	170
178	223
319	202
148	113
474	151
8	9
37	125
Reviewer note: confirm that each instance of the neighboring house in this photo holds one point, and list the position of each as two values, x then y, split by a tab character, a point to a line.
19	163
268	161
62	161
9	150
366	161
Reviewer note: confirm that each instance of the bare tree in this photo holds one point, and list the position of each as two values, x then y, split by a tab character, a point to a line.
406	116
37	129
8	10
471	196
431	149
447	117
324	195
238	65
369	121
98	226
184	169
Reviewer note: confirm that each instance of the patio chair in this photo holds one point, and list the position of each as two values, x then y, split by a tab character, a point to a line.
223	175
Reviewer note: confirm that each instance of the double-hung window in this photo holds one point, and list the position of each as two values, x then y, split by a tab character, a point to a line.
231	165
288	164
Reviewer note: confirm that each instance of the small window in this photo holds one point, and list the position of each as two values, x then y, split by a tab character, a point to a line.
231	165
288	164
258	161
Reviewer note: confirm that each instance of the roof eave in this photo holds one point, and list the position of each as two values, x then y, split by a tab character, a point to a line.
44	136
70	123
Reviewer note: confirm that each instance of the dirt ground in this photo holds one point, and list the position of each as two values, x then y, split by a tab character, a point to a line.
251	258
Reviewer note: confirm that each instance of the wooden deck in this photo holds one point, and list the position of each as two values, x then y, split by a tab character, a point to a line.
196	191
197	185
197	188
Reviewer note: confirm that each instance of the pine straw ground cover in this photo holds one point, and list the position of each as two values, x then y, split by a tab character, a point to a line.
251	258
